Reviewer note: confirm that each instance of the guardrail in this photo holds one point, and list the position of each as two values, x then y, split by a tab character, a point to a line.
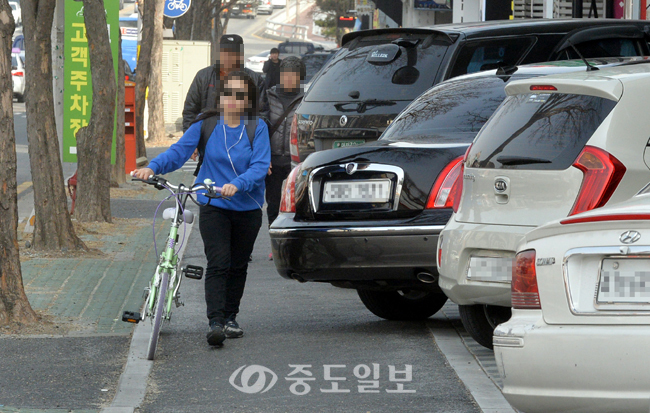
286	30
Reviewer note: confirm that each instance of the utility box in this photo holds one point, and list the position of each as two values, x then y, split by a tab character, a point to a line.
181	60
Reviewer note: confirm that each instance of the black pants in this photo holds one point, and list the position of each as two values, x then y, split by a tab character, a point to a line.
228	237
274	189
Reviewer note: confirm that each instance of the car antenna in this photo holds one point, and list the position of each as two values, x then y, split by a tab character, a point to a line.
590	67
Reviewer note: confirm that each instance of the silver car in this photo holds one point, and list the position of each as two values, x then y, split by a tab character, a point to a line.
557	146
265	7
18	76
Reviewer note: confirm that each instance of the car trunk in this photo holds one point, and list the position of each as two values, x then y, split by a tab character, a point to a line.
522	170
402	175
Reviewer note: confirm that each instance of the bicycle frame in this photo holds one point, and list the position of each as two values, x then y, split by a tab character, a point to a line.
168	261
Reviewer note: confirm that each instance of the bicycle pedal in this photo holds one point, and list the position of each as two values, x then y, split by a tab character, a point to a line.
131	317
193	271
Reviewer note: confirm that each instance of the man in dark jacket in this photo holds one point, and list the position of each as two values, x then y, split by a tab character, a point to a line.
272	68
283	98
204	91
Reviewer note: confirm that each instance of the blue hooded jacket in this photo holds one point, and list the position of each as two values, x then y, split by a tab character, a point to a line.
229	159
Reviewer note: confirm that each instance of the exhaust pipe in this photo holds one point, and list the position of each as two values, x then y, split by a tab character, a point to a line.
426	277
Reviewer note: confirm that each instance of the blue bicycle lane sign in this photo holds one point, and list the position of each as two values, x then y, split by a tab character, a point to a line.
176	8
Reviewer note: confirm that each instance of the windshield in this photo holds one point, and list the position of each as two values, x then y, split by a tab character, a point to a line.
411	71
538	131
448	112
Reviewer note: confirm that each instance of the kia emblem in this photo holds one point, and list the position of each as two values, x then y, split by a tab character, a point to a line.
500	185
630	237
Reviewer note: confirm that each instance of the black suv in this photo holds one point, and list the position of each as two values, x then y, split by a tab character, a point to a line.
378	72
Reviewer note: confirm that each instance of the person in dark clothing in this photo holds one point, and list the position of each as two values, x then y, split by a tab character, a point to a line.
229	227
284	99
204	92
272	68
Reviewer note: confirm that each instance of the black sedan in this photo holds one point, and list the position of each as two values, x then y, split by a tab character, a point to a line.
368	217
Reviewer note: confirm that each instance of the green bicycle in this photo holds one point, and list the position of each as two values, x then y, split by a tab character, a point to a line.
163	289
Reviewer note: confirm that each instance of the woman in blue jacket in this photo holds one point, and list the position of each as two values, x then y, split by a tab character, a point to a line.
228	227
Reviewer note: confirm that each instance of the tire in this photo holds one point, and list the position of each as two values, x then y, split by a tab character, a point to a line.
157	317
480	321
20	98
402	305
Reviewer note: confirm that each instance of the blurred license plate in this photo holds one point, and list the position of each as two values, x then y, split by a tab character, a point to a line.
369	190
492	269
624	281
345	144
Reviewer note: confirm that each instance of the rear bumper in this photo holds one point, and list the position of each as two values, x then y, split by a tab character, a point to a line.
354	253
461	241
577	368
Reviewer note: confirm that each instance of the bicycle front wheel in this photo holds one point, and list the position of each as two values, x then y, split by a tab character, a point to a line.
157	316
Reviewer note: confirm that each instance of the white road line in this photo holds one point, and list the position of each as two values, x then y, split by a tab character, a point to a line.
132	387
485	392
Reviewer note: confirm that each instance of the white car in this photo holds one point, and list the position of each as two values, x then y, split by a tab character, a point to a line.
18	76
15	11
265	7
578	337
256	63
557	146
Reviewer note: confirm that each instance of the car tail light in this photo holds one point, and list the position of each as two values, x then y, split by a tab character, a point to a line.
543	87
448	187
525	294
18	73
288	200
603	218
295	156
602	174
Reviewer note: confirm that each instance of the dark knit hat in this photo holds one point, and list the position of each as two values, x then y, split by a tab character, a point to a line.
293	64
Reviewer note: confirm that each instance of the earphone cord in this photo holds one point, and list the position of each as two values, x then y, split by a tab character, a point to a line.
230	159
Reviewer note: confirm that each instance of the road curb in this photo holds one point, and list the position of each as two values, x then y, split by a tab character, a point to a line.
132	386
485	392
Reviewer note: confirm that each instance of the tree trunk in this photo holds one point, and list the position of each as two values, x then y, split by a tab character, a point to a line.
155	99
143	71
14	305
118	174
53	229
94	141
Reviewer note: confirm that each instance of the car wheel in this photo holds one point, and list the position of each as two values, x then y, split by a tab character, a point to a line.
480	321
402	305
20	98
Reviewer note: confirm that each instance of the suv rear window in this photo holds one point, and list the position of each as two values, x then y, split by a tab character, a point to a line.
450	112
544	131
490	54
604	48
403	78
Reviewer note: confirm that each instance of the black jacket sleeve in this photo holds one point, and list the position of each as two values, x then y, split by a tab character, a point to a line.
267	66
194	99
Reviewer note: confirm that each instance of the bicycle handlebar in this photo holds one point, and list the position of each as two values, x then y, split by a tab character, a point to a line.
160	183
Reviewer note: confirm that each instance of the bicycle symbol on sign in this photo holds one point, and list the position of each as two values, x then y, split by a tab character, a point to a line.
177	5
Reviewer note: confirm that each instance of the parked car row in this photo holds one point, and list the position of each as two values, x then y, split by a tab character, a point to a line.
414	189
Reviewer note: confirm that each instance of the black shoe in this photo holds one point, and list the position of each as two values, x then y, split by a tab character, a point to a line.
216	335
232	329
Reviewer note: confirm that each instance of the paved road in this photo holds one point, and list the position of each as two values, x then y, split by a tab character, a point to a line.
286	324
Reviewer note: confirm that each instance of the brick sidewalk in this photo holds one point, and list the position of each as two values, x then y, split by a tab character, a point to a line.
92	291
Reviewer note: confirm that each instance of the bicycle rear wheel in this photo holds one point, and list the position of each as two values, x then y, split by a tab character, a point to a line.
157	317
